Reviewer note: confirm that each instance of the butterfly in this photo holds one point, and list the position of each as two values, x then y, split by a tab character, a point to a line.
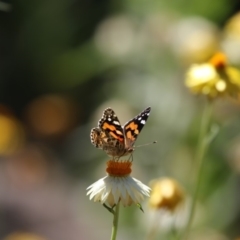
114	139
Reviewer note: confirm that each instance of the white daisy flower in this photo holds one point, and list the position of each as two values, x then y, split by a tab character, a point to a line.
118	186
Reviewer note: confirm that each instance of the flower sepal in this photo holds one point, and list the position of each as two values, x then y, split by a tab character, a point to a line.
110	209
140	207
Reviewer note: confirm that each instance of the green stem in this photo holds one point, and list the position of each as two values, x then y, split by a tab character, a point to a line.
202	147
115	222
174	234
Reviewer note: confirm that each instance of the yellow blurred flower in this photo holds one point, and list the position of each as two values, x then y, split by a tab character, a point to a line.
12	135
23	236
214	78
231	38
169	206
166	194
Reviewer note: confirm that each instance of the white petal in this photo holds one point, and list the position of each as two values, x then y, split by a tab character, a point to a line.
110	189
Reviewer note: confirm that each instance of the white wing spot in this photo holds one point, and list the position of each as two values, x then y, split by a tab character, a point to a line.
143	122
109	119
140	118
116	123
118	132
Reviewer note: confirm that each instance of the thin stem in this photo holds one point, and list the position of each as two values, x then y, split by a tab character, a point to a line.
202	147
115	222
174	234
110	209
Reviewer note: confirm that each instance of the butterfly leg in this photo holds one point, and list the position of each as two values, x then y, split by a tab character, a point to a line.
116	158
130	159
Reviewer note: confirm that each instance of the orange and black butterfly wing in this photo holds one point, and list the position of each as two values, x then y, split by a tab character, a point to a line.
133	127
111	126
98	138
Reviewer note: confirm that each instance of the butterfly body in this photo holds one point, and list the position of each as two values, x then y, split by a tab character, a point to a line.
114	139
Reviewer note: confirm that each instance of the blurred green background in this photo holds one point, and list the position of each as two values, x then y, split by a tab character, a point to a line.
62	63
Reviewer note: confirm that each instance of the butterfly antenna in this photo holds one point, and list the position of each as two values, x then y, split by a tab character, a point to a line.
146	144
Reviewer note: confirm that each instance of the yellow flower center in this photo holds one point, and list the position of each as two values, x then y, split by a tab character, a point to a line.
219	60
118	168
166	194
